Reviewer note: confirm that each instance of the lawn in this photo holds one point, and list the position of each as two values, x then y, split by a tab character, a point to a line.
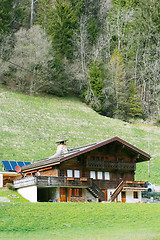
79	221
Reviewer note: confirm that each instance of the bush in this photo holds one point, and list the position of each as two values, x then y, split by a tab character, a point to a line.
10	186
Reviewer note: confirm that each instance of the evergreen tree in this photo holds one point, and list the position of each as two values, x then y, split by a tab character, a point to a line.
61	26
96	77
93	93
5	16
133	104
43	9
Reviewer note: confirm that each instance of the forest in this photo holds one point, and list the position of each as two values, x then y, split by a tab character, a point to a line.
107	52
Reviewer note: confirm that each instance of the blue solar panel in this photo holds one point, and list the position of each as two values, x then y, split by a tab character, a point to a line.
13	165
10	165
21	164
7	165
27	163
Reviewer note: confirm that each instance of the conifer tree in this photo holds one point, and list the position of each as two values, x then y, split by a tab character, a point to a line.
62	23
43	9
5	16
133	104
96	77
94	91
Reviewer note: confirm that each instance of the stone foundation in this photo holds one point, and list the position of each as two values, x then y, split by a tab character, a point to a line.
77	199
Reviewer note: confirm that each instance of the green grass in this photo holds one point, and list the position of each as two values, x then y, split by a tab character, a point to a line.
79	221
13	196
30	126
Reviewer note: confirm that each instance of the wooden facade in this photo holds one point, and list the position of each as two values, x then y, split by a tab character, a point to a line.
101	171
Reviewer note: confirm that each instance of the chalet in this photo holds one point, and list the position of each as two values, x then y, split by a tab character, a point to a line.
101	171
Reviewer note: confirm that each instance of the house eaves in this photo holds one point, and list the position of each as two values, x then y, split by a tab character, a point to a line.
75	152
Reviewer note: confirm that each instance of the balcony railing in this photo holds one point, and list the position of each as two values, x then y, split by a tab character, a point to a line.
52	181
134	184
110	165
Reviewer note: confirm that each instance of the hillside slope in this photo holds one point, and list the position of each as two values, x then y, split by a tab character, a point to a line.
30	126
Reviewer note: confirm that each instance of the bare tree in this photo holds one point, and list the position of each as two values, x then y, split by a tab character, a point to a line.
31	52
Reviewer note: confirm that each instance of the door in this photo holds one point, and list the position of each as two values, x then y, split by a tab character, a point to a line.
123	196
105	195
63	194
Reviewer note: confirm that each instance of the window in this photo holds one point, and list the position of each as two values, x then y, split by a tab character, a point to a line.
106	176
61	173
69	173
135	194
76	173
121	175
93	158
99	175
93	174
76	192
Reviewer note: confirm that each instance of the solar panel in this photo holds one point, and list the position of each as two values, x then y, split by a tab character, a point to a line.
27	163
7	165
13	165
10	165
21	164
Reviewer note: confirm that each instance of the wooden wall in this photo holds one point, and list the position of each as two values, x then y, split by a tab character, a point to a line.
51	172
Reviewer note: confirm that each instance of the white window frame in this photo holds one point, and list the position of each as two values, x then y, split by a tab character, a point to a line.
106	175
100	175
93	174
76	173
69	173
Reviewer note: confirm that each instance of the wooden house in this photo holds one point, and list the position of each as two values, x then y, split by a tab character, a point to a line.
101	171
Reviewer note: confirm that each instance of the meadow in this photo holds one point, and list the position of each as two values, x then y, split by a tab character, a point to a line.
20	219
31	125
79	221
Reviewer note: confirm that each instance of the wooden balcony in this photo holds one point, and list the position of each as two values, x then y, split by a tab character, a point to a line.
128	186
134	184
52	182
110	165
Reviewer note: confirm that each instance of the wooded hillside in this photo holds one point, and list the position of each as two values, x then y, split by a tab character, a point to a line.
107	52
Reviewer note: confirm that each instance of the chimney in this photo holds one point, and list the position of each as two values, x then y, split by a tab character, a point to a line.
61	148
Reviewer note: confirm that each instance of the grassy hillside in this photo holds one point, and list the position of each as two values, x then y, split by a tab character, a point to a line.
30	126
73	221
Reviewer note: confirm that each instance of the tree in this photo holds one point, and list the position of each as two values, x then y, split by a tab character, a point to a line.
5	16
96	77
117	72
93	93
133	103
43	9
62	23
31	52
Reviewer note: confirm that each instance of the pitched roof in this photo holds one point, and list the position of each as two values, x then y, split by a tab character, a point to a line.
74	152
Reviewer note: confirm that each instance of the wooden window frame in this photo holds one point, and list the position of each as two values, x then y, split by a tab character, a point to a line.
75	174
94	173
101	175
108	176
61	173
76	192
68	174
